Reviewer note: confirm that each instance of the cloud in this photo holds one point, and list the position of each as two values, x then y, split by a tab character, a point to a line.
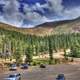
72	13
63	12
2	2
36	17
31	15
36	7
12	15
56	5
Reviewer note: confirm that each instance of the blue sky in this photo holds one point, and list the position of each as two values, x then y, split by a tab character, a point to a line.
29	13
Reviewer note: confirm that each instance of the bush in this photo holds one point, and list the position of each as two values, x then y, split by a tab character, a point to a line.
40	61
34	63
75	52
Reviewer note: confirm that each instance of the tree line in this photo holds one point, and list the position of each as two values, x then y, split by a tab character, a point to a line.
15	44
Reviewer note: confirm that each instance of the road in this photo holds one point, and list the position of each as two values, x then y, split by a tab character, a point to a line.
71	72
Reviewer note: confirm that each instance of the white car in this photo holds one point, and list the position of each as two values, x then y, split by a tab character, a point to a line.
14	77
13	67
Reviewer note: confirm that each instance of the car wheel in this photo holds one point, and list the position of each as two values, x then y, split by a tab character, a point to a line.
19	78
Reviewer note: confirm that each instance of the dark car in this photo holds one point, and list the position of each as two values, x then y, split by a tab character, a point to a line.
60	77
24	66
42	66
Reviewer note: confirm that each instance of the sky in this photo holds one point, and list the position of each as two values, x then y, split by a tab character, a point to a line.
29	13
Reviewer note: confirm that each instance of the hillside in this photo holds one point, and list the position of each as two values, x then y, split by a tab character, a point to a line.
47	28
66	26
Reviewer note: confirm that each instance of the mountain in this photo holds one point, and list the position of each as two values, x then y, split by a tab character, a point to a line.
66	26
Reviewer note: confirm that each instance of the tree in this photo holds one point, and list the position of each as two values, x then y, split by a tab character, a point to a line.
75	51
50	50
65	55
17	56
29	55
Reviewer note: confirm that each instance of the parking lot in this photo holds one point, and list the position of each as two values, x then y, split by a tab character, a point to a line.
71	72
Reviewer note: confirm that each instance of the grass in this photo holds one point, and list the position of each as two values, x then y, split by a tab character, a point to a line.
44	61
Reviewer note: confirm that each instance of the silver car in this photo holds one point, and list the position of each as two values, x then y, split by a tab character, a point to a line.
14	77
13	67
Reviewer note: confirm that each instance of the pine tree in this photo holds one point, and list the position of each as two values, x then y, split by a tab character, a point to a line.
50	50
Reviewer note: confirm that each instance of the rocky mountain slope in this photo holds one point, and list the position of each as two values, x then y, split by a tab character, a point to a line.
48	28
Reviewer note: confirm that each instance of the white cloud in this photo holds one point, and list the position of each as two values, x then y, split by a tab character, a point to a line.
55	5
34	16
62	11
12	15
27	8
30	14
72	13
37	6
52	5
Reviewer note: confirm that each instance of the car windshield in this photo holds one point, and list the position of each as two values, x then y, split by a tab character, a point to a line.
14	65
12	76
24	65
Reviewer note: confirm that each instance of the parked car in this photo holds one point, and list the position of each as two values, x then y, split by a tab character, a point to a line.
60	77
24	66
13	67
16	76
42	66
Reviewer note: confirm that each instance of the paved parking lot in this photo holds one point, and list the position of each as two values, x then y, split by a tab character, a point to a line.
71	72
